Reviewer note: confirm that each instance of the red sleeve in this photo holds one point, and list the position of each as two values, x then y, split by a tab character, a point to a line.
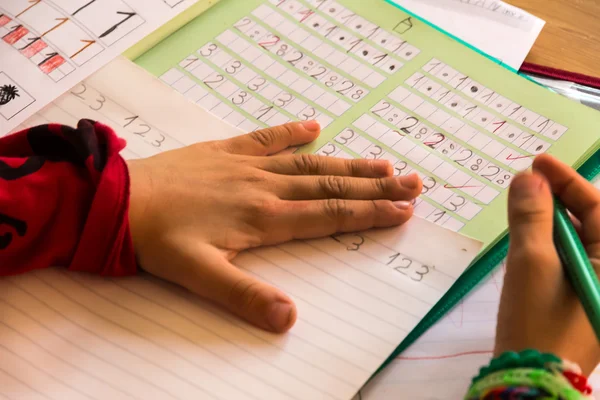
64	199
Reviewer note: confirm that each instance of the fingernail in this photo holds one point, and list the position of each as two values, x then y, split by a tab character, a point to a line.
279	316
410	182
402	205
381	167
311	126
527	185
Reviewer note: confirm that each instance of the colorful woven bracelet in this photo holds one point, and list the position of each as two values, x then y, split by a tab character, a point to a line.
530	374
511	360
535	383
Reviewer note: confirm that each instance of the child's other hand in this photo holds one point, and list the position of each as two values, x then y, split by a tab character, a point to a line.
539	309
193	209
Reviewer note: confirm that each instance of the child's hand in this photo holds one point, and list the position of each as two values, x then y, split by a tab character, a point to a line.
539	309
192	210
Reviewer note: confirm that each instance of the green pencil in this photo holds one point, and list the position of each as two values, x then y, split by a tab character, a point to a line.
575	261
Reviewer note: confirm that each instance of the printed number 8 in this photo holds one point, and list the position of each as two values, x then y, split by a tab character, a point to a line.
358	94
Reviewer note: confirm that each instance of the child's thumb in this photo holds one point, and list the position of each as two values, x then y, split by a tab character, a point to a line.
530	212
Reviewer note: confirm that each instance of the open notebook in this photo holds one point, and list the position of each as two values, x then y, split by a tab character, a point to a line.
72	336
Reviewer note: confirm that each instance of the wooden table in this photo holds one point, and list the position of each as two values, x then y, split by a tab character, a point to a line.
571	38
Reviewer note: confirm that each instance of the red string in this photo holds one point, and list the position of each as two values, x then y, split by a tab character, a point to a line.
561	74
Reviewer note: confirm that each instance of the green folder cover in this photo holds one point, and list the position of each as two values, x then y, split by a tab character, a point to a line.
578	147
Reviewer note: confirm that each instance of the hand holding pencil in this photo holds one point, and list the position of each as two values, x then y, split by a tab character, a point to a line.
540	307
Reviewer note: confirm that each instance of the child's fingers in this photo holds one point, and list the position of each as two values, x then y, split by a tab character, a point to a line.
310	164
209	274
338	187
579	196
272	140
530	215
319	218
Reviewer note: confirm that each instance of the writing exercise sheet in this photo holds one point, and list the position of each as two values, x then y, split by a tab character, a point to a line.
498	29
73	336
383	85
49	46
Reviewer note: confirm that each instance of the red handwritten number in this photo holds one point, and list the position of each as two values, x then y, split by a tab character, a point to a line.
306	13
269	43
434	142
500	125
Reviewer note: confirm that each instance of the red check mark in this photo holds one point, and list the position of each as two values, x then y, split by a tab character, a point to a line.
459	187
511	158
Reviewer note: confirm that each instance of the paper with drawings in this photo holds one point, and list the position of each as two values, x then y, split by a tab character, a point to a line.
48	46
494	27
72	336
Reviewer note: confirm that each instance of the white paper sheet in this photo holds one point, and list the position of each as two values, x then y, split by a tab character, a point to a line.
494	27
73	336
49	46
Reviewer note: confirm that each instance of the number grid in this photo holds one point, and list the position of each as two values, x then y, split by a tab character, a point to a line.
424	140
409	167
343	36
486	137
186	86
240	85
460	141
386	41
502	105
325	64
425	206
341	54
407	145
273	80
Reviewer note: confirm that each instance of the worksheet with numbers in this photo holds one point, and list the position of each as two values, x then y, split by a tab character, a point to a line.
382	85
48	46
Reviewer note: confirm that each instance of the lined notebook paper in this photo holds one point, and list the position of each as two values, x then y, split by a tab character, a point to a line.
72	336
